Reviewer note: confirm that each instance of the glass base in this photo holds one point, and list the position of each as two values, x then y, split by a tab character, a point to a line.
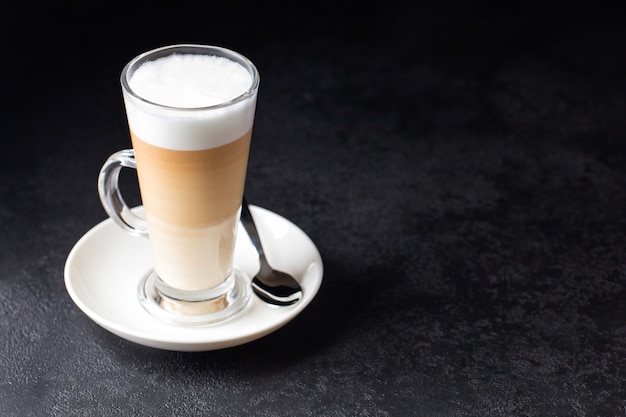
194	308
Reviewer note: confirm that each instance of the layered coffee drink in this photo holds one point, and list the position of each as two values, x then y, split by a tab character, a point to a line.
190	131
190	110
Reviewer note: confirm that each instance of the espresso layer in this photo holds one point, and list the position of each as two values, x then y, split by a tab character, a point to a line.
192	188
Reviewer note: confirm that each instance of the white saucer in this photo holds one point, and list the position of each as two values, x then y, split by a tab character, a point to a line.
104	268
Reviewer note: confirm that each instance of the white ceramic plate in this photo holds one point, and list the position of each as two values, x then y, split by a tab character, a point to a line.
103	270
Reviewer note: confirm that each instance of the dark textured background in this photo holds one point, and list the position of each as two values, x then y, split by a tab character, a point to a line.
460	166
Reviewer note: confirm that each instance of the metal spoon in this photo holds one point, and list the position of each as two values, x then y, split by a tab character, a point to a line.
272	286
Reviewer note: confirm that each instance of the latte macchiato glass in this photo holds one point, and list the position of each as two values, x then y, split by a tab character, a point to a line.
190	111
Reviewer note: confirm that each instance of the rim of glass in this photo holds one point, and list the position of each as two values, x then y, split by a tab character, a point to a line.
211	50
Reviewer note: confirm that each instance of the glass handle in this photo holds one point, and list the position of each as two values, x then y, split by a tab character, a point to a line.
111	197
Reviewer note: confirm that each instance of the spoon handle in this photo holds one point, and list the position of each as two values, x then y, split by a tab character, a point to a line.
248	224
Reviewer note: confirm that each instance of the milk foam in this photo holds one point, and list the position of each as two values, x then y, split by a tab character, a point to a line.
184	84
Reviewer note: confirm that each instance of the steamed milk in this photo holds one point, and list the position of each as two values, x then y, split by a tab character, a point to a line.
191	164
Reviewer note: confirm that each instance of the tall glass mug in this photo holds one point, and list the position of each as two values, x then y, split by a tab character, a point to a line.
190	110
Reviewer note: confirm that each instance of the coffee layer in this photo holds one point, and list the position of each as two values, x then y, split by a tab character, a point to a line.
192	201
192	188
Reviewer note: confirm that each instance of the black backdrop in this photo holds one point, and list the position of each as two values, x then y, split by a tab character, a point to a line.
460	166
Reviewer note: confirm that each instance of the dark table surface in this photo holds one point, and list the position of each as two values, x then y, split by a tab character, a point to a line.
461	167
